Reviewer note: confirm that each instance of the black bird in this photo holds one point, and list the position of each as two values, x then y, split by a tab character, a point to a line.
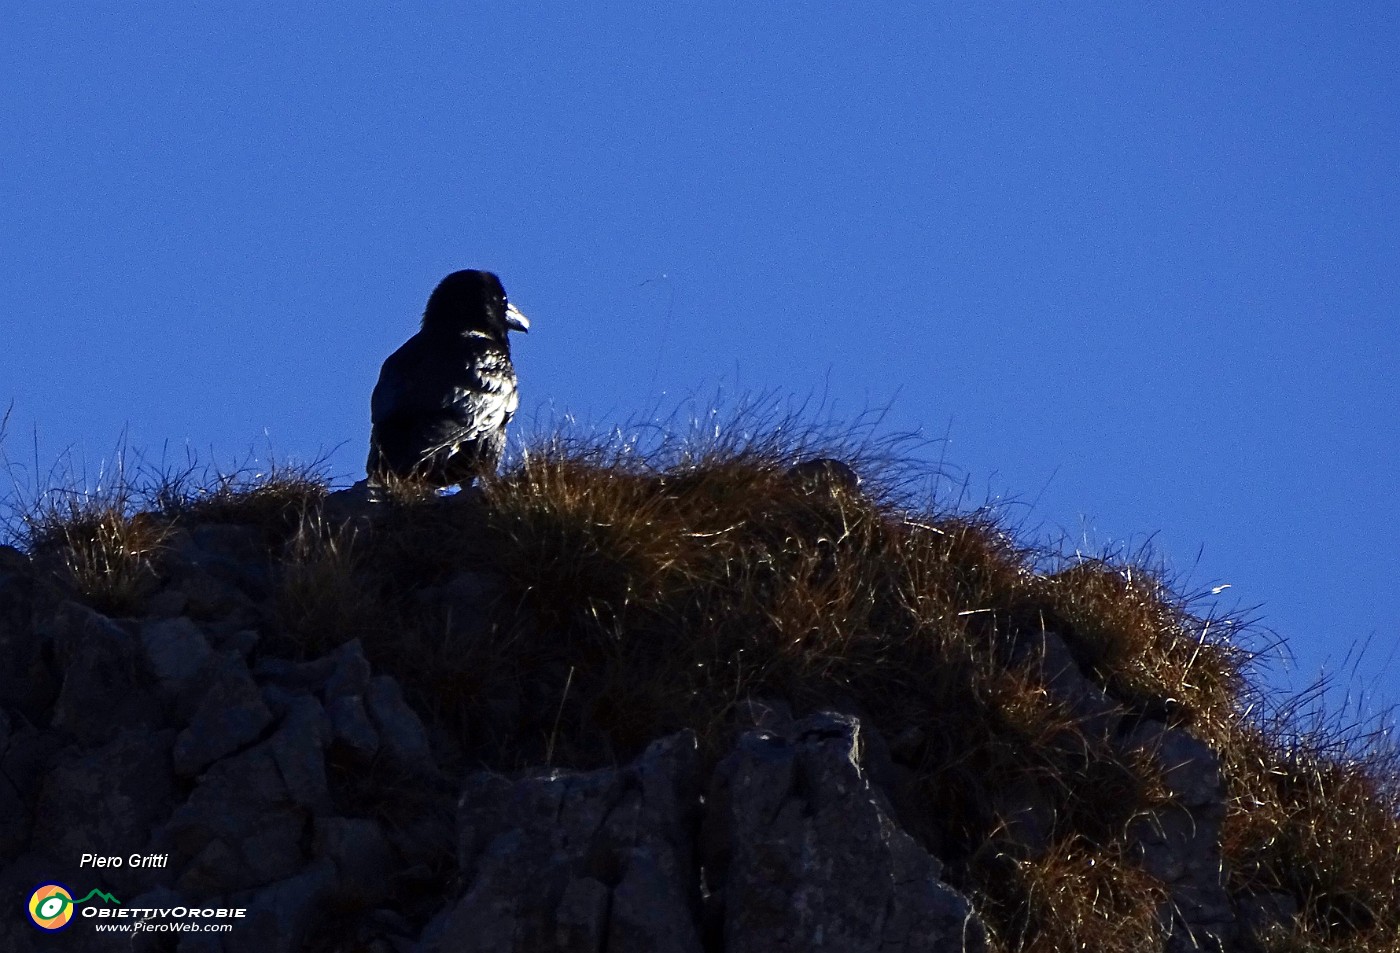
443	400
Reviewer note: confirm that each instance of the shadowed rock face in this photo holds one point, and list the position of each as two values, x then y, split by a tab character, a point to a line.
178	736
804	853
596	860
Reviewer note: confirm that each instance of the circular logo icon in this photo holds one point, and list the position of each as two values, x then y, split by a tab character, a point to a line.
51	907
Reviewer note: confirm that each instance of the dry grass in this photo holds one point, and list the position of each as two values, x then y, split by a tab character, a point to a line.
1130	630
106	536
273	497
598	594
94	534
1076	896
1316	816
320	603
107	552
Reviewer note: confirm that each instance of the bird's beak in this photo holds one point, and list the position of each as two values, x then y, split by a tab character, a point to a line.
515	320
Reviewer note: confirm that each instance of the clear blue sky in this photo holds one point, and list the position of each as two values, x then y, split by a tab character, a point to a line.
1137	261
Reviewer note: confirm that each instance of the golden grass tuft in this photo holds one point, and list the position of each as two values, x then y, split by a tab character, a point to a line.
1130	630
1316	817
108	536
107	553
1077	896
273	497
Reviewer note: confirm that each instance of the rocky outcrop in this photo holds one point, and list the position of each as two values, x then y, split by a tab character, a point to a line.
309	796
172	744
602	860
1178	845
802	853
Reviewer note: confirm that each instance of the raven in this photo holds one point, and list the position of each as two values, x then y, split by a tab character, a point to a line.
440	408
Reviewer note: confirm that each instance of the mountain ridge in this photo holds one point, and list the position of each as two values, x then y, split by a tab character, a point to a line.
704	656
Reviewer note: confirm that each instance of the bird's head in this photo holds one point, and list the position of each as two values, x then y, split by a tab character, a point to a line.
473	301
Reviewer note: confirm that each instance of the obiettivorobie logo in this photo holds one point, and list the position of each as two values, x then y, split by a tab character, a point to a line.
51	906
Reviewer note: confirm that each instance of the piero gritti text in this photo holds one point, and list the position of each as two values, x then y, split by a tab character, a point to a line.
135	860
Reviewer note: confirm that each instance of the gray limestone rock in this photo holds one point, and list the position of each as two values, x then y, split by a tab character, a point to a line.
1047	654
299	748
801	854
281	915
1180	844
594	861
246	821
350	671
581	919
351	726
209	598
14	819
176	649
106	683
361	853
26	756
231	714
234	555
401	733
25	681
294	676
166	604
242	641
105	801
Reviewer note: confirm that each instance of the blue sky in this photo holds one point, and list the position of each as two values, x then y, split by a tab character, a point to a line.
1137	262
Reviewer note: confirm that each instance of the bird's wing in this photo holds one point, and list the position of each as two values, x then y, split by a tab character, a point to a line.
481	402
397	384
491	378
463	390
415	379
